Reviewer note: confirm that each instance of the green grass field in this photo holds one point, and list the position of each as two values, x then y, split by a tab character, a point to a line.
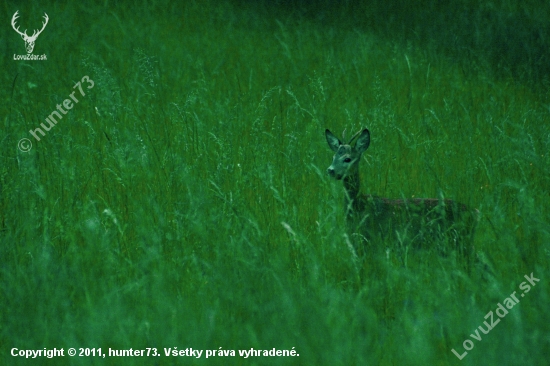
183	201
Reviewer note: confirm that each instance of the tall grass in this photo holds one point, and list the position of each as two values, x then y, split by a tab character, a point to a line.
183	202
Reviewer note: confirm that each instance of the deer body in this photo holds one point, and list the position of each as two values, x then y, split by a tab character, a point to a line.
419	221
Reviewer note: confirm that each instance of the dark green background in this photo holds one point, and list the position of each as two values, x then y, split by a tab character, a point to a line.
183	201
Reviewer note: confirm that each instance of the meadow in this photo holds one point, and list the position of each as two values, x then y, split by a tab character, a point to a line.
183	201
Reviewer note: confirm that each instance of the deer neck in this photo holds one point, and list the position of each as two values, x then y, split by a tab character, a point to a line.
352	186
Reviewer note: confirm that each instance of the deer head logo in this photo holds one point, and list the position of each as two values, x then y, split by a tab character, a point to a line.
29	41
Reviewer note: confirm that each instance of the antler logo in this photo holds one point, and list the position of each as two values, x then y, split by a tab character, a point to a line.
29	41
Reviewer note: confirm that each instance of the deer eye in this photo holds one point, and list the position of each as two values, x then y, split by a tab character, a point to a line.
347	160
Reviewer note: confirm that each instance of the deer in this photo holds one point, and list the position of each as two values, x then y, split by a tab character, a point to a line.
29	40
416	221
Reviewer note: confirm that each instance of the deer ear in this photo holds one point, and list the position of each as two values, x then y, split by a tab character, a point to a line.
363	141
332	140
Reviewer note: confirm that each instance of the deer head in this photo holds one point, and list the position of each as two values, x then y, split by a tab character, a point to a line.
346	158
29	41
